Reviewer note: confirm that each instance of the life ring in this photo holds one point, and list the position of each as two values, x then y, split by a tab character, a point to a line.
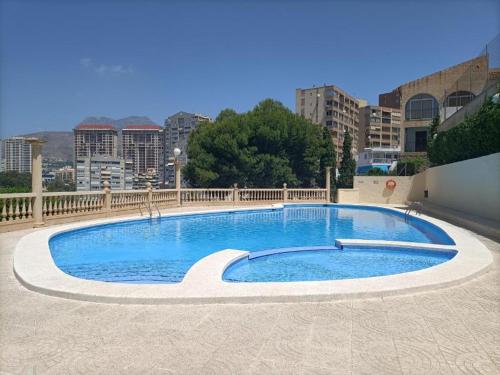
390	184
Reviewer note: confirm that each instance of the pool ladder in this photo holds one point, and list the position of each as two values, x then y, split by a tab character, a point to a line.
149	208
413	206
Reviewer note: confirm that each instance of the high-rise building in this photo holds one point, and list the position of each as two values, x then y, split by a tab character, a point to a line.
332	107
176	134
143	145
379	127
95	139
15	155
436	95
91	172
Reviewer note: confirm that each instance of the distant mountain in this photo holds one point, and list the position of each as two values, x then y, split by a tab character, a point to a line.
59	144
120	123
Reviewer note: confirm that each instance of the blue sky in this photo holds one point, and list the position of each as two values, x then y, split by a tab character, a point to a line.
64	60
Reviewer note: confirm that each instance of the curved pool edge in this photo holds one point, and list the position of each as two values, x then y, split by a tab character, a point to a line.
36	270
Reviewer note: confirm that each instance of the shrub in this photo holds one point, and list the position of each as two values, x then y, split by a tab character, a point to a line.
376	172
478	135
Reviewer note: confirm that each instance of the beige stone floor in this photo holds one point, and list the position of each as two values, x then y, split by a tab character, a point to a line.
450	331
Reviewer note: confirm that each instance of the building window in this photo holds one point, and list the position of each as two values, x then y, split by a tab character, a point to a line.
329	123
458	99
329	102
421	107
328	113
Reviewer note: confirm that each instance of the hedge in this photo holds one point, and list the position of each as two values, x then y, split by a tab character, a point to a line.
478	135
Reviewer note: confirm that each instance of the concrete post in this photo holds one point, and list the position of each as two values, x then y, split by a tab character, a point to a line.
36	180
285	193
327	184
236	194
107	195
178	181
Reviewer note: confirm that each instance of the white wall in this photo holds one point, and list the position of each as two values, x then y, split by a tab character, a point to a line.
471	186
372	189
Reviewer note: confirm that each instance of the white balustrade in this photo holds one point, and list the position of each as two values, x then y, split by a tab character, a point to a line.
72	203
164	197
307	195
261	195
16	207
191	196
19	207
128	199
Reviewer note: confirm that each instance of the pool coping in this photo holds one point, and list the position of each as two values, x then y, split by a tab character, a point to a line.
36	270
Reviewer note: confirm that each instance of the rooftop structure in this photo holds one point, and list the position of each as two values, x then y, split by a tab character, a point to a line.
383	158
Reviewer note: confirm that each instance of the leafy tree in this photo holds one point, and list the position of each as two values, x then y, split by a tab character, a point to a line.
433	128
15	182
265	147
347	164
59	185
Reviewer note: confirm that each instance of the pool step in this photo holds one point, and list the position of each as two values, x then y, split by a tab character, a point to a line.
263	253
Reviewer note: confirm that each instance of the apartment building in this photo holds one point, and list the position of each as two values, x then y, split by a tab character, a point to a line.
176	135
143	145
440	94
379	127
91	172
15	155
95	139
334	108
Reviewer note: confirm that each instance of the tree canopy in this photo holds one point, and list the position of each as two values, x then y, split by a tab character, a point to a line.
15	182
265	147
347	164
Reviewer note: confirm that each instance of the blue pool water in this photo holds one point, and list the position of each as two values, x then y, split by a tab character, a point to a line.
348	263
162	251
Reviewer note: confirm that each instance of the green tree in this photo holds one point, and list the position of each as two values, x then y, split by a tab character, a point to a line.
433	128
59	185
347	164
265	147
15	182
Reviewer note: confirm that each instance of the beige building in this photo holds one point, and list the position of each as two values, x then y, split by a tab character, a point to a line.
379	127
176	135
438	94
92	172
332	107
95	139
15	155
143	145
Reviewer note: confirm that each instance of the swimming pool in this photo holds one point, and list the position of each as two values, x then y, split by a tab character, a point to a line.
162	251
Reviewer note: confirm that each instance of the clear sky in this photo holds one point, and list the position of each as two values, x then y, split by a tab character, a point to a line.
64	60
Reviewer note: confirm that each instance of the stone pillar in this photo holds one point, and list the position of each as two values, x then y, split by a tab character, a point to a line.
236	194
285	193
178	181
36	180
327	184
107	195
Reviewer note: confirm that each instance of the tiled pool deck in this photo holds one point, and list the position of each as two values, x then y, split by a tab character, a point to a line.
450	331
